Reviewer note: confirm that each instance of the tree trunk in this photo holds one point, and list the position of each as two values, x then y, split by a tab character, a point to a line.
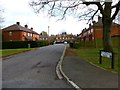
107	23
107	44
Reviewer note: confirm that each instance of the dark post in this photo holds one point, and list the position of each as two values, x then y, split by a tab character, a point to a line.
112	61
100	58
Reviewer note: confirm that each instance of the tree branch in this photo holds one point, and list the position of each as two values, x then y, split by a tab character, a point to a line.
64	13
116	12
72	5
86	13
51	10
93	16
63	7
95	3
116	5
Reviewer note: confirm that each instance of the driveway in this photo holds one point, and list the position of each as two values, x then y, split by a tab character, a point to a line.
33	69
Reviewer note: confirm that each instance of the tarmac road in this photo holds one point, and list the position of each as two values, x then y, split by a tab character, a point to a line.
33	69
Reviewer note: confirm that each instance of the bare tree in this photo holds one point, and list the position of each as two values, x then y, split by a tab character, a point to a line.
81	8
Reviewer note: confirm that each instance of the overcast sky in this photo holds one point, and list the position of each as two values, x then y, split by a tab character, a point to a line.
20	11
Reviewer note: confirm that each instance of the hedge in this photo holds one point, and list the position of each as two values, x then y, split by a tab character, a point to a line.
23	44
99	43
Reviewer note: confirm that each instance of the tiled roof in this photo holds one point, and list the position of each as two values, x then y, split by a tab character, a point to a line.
16	27
34	32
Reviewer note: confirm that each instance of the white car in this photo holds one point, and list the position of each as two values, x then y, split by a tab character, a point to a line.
65	42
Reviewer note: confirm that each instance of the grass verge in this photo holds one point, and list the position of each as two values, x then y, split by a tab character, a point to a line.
8	52
92	56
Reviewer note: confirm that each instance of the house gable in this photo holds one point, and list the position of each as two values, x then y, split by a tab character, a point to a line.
16	32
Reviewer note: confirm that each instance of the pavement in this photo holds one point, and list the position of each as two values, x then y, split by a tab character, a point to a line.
87	76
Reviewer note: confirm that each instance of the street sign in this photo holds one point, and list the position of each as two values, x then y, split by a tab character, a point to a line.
107	55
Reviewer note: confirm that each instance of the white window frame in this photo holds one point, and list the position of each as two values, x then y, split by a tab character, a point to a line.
91	30
24	33
10	33
28	34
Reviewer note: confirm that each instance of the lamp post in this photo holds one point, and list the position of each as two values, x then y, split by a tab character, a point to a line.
48	30
48	35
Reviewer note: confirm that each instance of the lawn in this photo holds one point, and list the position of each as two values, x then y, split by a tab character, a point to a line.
92	56
7	52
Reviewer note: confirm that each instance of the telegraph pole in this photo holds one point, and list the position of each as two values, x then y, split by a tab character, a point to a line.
48	35
48	30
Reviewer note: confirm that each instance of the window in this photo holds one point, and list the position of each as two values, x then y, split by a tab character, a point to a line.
10	33
28	34
24	33
91	30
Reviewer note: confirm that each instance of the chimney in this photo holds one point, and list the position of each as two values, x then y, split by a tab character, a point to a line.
93	22
26	26
32	28
90	25
18	23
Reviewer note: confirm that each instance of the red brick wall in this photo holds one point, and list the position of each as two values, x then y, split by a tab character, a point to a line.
115	31
99	32
16	36
22	36
35	36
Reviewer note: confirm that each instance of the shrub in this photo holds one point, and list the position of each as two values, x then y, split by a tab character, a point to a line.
76	45
23	44
14	44
42	43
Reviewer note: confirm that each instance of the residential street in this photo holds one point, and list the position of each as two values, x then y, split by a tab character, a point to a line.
33	69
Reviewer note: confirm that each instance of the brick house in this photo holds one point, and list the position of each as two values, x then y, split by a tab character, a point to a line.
62	37
95	31
16	32
43	36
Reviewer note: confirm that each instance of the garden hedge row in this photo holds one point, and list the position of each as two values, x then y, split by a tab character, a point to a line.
23	44
98	43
